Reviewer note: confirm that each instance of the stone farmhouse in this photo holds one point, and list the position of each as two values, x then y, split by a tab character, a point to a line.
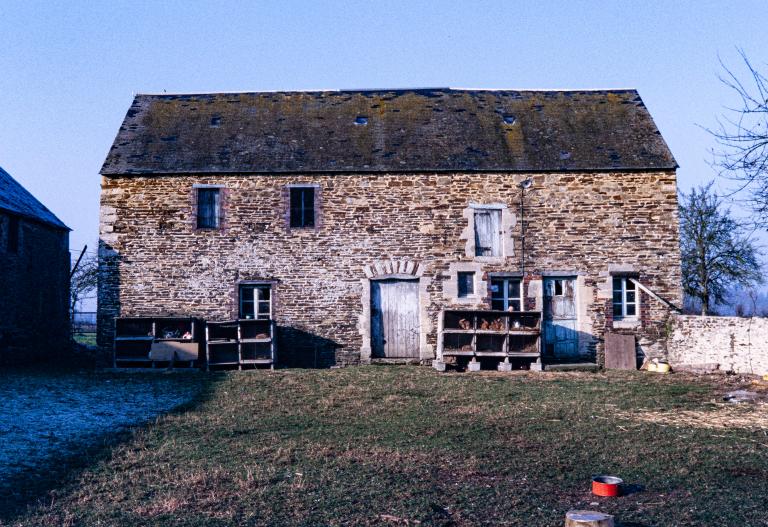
34	277
354	218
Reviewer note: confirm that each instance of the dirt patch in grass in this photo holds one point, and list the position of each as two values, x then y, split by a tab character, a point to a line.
721	417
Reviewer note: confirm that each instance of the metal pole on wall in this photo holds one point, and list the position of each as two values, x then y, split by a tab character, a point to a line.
523	185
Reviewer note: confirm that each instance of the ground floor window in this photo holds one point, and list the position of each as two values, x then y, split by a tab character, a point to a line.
466	283
506	294
256	301
624	298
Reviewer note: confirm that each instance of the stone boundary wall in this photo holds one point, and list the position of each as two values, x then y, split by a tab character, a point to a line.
734	343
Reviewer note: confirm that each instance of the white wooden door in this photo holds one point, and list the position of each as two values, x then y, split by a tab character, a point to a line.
395	318
561	340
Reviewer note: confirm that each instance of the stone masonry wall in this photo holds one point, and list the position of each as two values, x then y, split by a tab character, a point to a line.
733	343
34	292
153	260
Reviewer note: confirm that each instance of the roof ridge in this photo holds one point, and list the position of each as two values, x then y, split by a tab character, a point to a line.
403	89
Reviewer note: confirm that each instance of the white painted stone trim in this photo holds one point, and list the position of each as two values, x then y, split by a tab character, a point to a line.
450	283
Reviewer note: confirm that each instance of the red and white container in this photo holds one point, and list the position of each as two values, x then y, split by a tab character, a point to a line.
608	486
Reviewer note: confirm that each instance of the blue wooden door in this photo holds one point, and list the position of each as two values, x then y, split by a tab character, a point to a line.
561	340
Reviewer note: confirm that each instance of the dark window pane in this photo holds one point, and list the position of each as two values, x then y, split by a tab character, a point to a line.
616	310
246	310
515	305
631	310
466	283
497	304
264	308
631	296
514	289
630	285
207	208
302	207
246	294
617	284
558	288
617	297
13	234
264	293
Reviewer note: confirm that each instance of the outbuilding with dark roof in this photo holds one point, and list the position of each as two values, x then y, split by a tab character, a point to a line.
34	277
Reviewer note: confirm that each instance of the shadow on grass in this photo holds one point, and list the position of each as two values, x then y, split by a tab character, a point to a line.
37	485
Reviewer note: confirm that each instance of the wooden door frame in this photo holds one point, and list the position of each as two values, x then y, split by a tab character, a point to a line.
399	270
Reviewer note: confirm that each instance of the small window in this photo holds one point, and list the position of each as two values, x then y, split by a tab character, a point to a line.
466	284
13	234
624	298
208	208
506	295
302	207
488	232
256	301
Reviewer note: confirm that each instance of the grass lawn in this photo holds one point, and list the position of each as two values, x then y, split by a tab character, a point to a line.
409	446
86	339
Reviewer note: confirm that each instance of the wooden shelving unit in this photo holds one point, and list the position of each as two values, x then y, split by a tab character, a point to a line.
244	342
501	334
142	342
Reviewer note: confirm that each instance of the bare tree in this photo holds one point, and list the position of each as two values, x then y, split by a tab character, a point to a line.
742	136
83	280
716	250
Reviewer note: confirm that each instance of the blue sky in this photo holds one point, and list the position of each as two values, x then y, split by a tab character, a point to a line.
69	69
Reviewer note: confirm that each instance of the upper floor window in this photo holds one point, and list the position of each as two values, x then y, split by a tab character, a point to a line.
466	283
256	301
208	208
624	298
506	294
302	207
488	232
14	226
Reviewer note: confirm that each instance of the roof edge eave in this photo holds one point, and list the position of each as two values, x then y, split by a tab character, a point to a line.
139	173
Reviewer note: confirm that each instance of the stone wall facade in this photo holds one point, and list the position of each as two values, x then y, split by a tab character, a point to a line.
34	291
724	343
153	261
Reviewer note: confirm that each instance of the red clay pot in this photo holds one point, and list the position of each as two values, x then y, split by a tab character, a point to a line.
608	486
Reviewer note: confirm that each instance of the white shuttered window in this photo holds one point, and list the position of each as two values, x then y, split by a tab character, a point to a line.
488	232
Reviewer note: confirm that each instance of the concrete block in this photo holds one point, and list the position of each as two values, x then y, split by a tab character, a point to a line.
438	365
473	365
505	365
537	366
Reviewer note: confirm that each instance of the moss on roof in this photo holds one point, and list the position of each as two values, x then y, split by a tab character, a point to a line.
406	130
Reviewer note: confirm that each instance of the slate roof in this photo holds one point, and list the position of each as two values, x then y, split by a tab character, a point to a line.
16	199
388	130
